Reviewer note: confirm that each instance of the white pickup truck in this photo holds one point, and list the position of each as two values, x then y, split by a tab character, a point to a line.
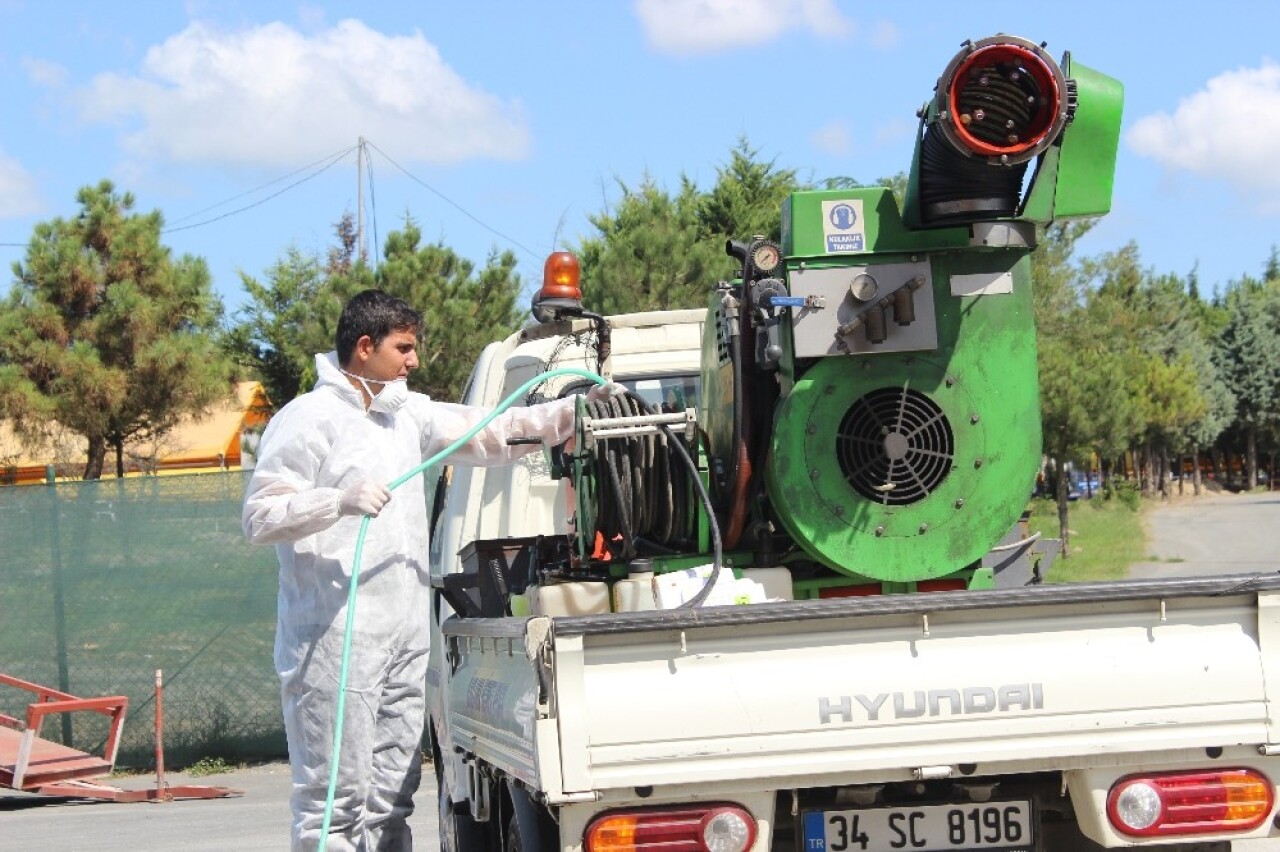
778	595
1014	719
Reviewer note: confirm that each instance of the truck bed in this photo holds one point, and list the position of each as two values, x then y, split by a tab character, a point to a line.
863	690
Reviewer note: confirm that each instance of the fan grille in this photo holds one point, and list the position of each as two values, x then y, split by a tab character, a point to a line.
895	446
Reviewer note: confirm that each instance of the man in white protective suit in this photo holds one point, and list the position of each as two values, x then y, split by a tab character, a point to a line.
322	464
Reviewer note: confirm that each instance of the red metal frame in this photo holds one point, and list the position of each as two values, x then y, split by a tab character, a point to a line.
20	741
36	765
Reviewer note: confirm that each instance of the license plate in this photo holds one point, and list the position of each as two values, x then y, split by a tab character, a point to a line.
1004	826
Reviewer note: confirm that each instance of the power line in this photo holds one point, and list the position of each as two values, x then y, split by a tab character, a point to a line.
324	165
196	213
333	160
327	161
452	203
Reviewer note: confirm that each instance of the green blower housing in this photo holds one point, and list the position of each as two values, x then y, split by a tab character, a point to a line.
896	347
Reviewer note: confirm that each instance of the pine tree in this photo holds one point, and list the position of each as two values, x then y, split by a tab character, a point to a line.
657	250
271	335
1249	356
106	333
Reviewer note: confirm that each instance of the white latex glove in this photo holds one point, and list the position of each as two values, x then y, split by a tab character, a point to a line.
366	497
597	393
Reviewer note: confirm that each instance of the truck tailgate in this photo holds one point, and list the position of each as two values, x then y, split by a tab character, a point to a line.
872	689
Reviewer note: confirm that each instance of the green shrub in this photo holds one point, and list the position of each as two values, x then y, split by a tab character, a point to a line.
209	766
1127	492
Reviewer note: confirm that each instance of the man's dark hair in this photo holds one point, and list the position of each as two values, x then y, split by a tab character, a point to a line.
376	314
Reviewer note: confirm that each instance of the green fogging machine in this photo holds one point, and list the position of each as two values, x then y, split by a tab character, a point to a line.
869	408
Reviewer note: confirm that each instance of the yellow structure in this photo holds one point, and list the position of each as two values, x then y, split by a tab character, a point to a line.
211	441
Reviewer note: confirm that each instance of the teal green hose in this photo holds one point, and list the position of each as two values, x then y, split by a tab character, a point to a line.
355	567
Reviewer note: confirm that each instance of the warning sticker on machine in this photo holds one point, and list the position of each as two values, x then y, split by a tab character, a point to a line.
842	225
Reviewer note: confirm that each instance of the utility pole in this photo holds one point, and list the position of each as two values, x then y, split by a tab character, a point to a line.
360	198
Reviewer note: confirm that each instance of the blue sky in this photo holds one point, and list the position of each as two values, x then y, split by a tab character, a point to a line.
504	124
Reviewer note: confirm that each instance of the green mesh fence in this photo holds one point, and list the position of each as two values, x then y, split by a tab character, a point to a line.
102	583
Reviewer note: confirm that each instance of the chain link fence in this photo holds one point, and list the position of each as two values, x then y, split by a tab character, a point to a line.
102	583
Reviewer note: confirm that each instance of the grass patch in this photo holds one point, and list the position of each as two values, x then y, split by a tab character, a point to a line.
1106	538
209	766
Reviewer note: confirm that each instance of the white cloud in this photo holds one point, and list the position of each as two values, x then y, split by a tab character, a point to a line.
833	138
312	16
49	75
884	35
19	195
710	26
1228	131
893	131
271	96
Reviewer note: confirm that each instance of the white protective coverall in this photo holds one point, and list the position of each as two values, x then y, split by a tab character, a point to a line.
315	447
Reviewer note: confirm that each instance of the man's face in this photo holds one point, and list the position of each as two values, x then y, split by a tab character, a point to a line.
391	359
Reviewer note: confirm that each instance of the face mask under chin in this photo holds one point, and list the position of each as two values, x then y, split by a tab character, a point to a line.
393	394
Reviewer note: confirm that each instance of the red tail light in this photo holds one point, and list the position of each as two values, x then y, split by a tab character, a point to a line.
704	828
1174	803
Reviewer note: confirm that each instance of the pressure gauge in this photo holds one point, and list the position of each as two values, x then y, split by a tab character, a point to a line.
863	287
765	257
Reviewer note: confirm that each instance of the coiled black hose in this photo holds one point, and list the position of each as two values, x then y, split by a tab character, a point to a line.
644	498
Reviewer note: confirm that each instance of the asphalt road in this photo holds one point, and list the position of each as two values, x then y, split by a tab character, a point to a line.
257	821
1213	534
1219	534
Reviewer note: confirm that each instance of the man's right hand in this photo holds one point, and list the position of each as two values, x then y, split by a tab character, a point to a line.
363	498
608	390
